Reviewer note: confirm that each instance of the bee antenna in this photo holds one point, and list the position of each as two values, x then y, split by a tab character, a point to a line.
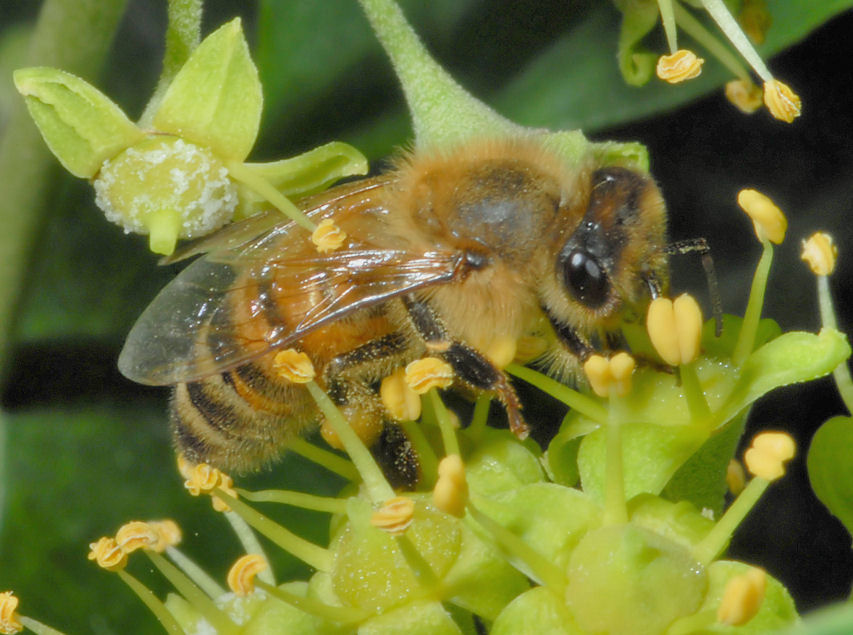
700	246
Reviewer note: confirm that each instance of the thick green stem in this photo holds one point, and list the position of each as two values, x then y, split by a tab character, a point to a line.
667	17
448	431
587	406
315	607
250	543
296	499
700	412
329	460
698	32
37	627
426	455
195	573
615	511
182	36
163	615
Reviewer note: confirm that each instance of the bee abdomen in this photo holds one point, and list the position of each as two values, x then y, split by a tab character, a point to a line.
238	420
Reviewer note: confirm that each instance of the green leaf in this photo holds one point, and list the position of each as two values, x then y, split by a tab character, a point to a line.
80	124
215	100
830	468
789	359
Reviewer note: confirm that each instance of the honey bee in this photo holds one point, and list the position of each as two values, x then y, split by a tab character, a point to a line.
444	253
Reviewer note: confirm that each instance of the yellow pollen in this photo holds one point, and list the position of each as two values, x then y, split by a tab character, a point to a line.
107	554
402	403
610	377
328	236
767	219
688	322
820	253
768	454
294	366
782	102
735	477
744	94
679	67
136	535
395	516
168	534
429	372
597	370
622	366
8	618
241	575
742	597
203	479
501	350
675	328
450	494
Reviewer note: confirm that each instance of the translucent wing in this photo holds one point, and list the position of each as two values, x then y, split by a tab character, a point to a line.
236	304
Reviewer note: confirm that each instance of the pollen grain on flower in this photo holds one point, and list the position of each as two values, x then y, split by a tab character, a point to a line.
820	253
294	366
395	516
241	575
679	67
782	102
428	372
328	236
107	554
9	622
742	597
768	220
136	534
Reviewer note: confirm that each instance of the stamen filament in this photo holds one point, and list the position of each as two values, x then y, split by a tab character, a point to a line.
240	173
163	614
422	447
448	432
377	487
537	565
749	327
668	19
480	417
250	543
586	406
296	499
195	572
312	606
841	374
194	595
700	412
615	510
713	544
37	627
419	566
728	25
311	554
695	29
324	458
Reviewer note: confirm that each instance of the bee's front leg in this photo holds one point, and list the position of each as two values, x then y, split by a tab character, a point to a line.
469	365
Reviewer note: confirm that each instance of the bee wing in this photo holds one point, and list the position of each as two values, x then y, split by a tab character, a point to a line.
234	305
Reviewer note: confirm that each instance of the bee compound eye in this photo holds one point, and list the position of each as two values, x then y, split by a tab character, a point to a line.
585	278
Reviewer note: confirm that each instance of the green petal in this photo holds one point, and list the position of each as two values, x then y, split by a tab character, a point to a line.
80	124
830	468
215	99
636	64
538	610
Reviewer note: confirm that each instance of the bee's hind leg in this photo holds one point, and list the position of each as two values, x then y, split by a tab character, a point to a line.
469	365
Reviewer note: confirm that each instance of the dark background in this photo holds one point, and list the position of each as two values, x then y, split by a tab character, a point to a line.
88	450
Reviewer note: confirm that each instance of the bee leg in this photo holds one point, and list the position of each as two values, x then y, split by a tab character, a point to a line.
575	344
360	362
470	366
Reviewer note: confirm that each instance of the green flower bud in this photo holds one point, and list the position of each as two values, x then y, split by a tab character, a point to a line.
215	99
80	124
168	188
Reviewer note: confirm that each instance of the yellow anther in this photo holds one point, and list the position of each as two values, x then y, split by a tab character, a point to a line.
429	372
294	366
679	67
755	20
744	94
675	328
768	454
501	350
8	617
742	597
820	253
328	236
226	484
735	477
610	377
767	219
529	347
782	102
402	403
395	516
203	479
168	534
241	575
450	494
136	535
108	554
